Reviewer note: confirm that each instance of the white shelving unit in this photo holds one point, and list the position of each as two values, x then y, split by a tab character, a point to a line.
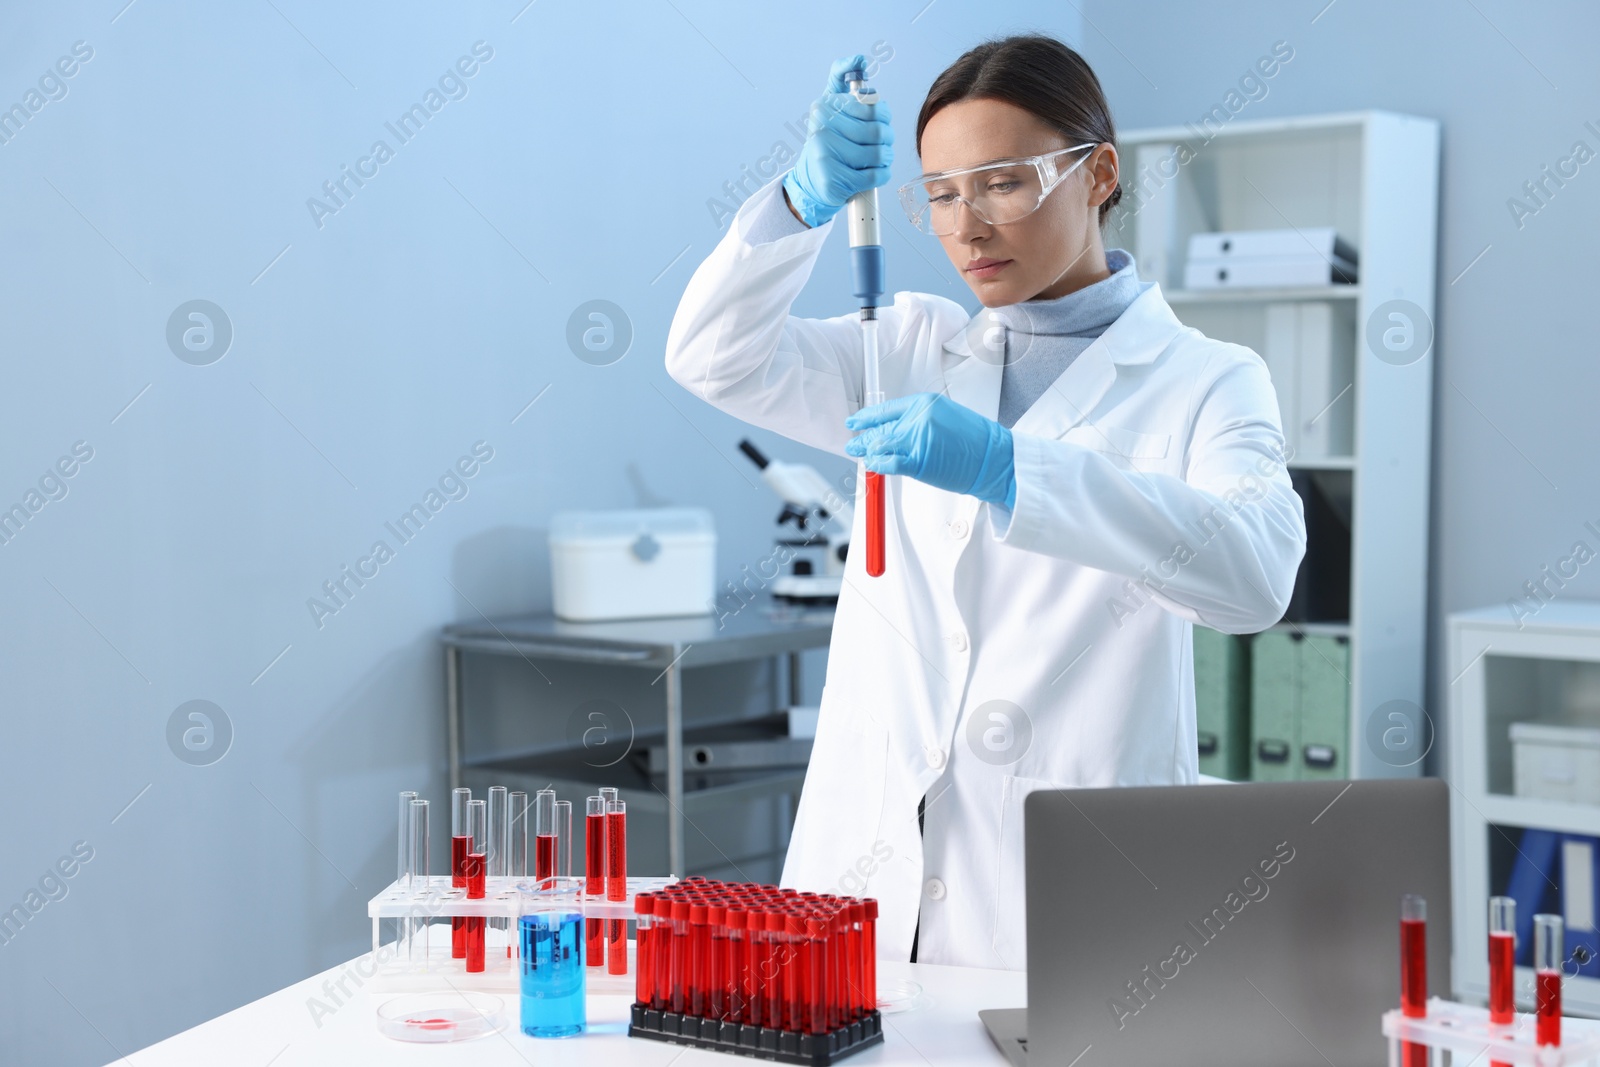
1544	670
1373	176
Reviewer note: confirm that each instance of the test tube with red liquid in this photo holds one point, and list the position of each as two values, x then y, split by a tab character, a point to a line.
544	835
616	884
875	553
644	953
477	867
1502	962
460	845
1413	972
1547	953
594	876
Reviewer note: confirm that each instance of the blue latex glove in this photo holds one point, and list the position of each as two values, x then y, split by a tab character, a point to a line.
936	440
849	147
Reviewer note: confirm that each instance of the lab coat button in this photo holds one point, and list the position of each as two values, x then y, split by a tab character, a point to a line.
959	529
958	641
935	756
934	888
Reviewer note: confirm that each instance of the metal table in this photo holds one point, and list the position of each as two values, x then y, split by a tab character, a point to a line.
669	646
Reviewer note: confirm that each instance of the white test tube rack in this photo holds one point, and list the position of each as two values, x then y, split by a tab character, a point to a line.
1467	1033
403	967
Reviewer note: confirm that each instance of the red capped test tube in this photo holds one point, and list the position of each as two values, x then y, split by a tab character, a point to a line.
1547	953
644	960
733	969
699	947
1413	972
460	845
869	954
717	961
544	830
772	977
1502	962
477	868
680	956
594	876
791	968
616	884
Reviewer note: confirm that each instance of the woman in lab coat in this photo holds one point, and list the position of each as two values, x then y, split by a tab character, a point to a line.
1078	478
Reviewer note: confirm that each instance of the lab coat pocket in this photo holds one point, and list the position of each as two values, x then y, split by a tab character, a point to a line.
1010	895
835	846
1130	449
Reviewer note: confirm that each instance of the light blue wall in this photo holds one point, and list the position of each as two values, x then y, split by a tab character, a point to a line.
1513	86
369	356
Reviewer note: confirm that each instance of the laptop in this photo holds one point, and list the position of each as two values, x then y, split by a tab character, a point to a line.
1252	925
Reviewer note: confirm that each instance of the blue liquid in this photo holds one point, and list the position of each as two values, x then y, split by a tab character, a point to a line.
552	974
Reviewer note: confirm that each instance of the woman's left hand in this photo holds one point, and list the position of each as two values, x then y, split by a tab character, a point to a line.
933	439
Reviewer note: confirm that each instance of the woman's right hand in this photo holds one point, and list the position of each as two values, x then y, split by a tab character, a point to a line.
849	148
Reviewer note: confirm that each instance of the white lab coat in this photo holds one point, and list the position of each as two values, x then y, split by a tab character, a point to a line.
1151	495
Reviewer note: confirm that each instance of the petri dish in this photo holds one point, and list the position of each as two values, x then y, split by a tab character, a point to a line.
439	1017
896	995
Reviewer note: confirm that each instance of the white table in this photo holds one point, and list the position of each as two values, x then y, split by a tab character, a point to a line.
279	1030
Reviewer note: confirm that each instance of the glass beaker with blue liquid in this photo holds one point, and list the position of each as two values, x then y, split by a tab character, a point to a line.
550	934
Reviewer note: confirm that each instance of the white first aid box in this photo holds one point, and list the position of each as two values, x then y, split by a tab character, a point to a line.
637	564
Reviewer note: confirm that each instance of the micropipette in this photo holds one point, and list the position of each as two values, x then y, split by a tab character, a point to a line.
866	267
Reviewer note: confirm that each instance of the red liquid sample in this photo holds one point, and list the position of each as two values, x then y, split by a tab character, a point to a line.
716	973
869	956
1548	1002
616	855
644	966
771	977
459	847
476	867
699	948
1502	968
757	962
617	948
874	524
544	856
680	956
1413	984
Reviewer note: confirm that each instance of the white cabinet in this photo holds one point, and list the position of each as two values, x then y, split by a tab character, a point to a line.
1353	366
1535	680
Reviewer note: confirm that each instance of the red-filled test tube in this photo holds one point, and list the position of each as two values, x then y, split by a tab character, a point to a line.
717	965
699	962
594	875
854	984
477	869
644	961
777	932
680	956
1413	971
875	555
791	970
544	829
869	955
1502	962
617	884
1547	953
460	845
733	970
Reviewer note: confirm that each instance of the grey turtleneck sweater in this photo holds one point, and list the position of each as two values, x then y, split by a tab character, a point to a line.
1043	337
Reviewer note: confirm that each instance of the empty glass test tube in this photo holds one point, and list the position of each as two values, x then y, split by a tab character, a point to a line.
417	880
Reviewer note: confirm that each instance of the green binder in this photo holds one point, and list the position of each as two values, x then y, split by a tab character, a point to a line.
1222	703
1323	741
1274	696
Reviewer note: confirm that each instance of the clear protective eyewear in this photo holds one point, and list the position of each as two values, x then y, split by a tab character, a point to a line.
1003	192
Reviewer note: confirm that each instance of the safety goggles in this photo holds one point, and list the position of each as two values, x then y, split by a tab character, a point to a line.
998	193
